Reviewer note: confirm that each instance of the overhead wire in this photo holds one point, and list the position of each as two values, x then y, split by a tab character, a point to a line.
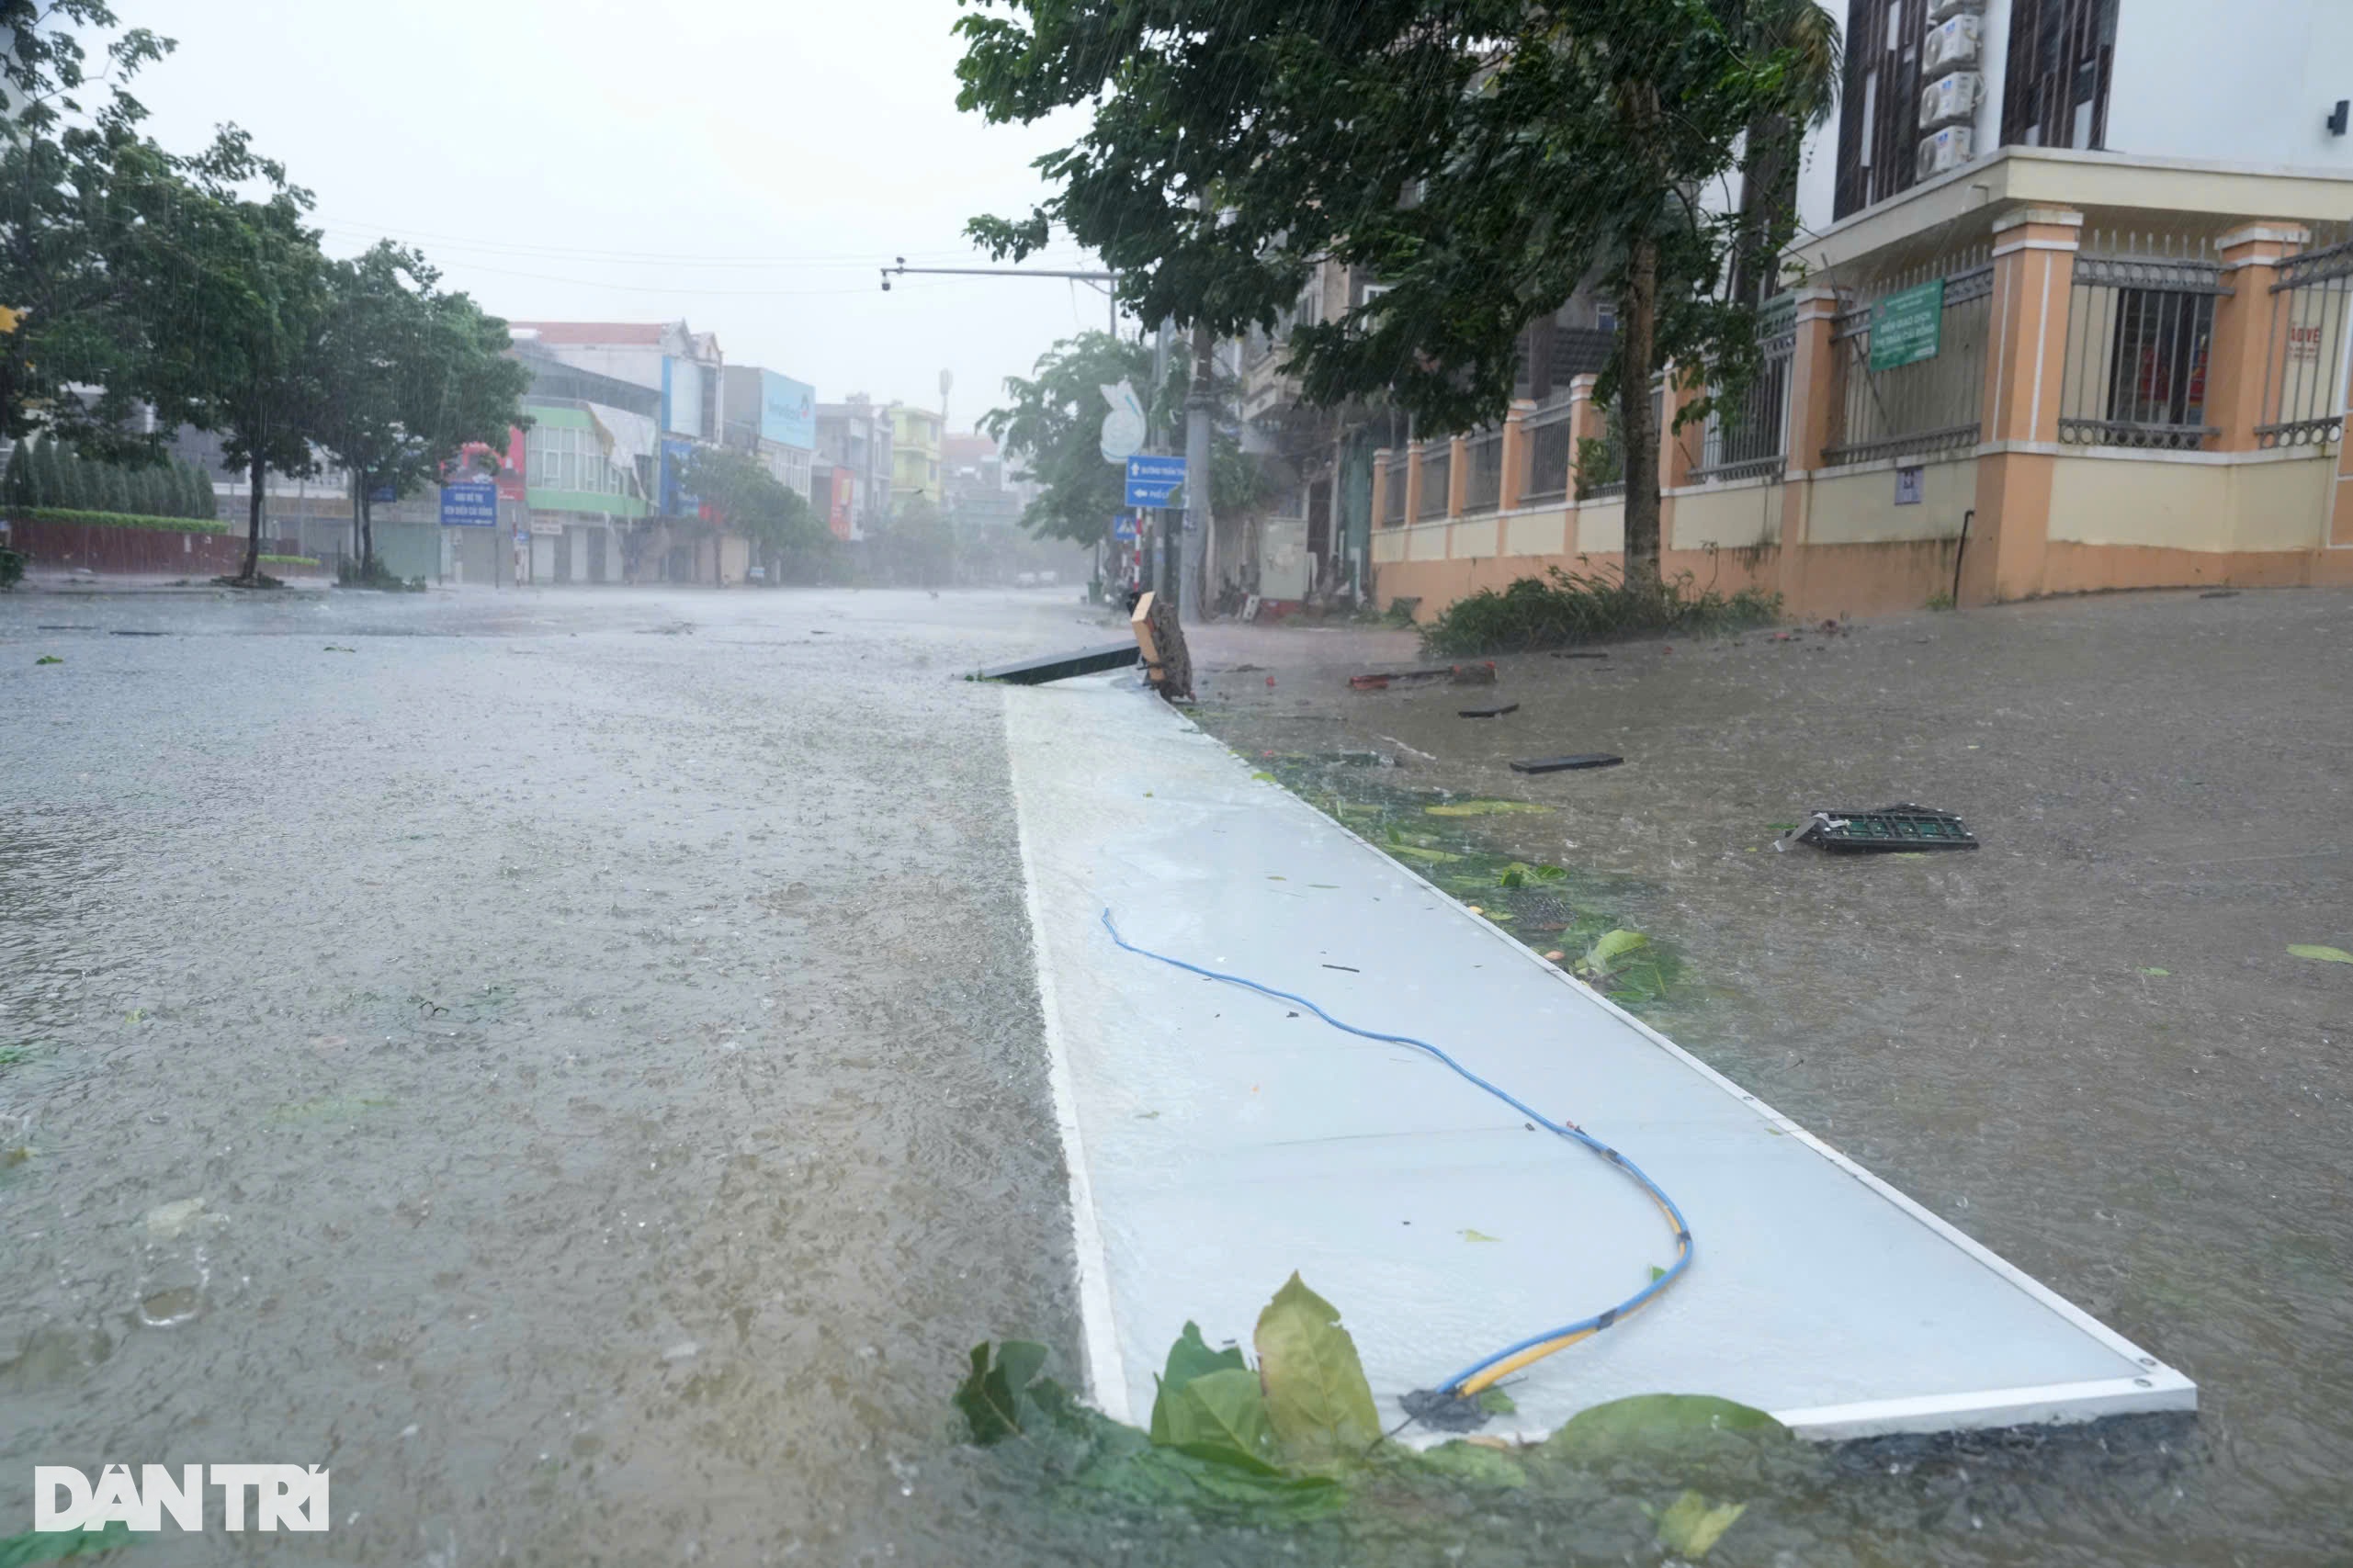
1487	1369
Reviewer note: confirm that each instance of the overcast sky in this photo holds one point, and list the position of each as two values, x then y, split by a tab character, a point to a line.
744	164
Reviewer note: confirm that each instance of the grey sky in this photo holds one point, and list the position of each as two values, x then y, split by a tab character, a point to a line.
527	145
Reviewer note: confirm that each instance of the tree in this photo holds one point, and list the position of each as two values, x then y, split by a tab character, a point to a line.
408	377
1054	426
1483	158
752	501
86	210
252	288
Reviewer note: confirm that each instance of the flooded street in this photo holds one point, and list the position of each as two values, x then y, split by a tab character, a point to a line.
568	1062
571	1063
2086	1044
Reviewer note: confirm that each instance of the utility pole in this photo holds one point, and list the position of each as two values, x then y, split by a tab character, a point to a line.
1198	400
1164	575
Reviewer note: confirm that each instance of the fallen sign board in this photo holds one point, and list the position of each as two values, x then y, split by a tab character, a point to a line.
1816	1292
1061	666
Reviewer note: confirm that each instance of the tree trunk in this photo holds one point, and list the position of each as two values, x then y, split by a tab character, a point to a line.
357	485
1638	432
256	467
367	534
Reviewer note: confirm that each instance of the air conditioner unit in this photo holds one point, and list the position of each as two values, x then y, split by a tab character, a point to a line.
1946	149
1952	100
1951	44
1939	9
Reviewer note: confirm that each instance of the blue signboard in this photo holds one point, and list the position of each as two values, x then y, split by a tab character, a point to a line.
1122	528
787	411
470	505
383	495
1151	480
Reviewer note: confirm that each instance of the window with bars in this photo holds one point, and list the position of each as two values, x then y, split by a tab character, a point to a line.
2140	325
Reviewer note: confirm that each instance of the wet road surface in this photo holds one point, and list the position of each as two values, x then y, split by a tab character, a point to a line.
570	1063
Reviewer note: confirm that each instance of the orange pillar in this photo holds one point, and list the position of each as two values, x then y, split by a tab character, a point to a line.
1458	475
1380	485
1515	454
2026	361
2250	336
1814	391
1413	484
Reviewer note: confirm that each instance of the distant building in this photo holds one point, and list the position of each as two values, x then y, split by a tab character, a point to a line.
773	417
684	372
917	435
854	438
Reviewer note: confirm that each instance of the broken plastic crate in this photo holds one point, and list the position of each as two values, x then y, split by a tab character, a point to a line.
1897	827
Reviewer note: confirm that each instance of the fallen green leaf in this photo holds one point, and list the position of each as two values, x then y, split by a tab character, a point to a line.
1495	1402
49	658
1479	1235
1690	1525
2157	971
1657	1273
994	1397
1654	1421
1415	851
1484	808
1317	1399
1607	948
2320	955
1219	1416
1264	777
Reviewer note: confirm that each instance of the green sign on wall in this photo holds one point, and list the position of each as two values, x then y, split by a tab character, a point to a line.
1907	328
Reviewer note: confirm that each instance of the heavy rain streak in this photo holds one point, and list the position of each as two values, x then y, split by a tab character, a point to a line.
1008	781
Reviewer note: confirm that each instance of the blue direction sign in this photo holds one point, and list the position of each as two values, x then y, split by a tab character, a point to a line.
1150	480
470	505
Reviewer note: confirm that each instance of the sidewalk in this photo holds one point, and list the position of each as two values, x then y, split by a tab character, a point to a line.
1219	1140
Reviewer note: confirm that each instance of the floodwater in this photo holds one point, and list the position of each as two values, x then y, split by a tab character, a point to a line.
570	1062
599	1029
2086	1044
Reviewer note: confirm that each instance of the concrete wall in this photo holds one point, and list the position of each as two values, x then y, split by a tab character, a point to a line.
2180	503
2246	82
1730	516
1857	505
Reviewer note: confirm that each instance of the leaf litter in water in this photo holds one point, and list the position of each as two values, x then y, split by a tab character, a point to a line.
1691	1524
2320	955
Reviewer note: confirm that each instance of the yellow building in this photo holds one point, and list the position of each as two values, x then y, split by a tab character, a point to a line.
917	436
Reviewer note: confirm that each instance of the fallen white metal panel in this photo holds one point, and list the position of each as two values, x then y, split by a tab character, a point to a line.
1219	1141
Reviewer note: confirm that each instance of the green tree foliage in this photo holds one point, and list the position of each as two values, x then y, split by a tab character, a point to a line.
407	377
1052	428
1483	158
916	548
752	501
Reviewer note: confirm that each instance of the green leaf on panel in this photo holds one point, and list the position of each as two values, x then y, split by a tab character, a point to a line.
1317	1399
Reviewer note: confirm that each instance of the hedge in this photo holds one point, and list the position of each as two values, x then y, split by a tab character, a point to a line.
118	520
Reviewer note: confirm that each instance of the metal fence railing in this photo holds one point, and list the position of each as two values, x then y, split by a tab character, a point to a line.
1483	471
1548	449
2304	369
1748	435
1393	499
1925	402
1601	472
2140	327
1437	459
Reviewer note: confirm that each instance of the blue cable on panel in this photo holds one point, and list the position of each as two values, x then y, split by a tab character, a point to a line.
1487	1369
